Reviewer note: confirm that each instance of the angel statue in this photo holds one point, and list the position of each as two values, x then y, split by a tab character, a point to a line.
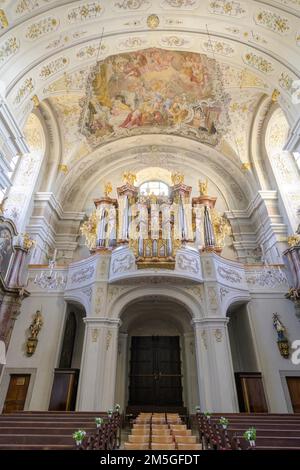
107	189
279	327
129	178
221	226
177	178
203	187
89	230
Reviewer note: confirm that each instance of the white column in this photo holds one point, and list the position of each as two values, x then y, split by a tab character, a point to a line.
190	372
98	366
122	368
215	372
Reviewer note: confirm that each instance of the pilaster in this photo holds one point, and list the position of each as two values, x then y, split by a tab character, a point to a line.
98	366
215	372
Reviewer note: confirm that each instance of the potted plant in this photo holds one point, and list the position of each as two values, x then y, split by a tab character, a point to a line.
79	436
224	422
98	422
207	414
250	436
117	408
110	413
197	408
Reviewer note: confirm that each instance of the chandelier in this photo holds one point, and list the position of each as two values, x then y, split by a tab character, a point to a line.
50	279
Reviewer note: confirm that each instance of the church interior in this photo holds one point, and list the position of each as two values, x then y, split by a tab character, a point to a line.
150	224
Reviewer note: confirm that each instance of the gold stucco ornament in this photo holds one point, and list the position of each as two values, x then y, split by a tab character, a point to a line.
153	21
294	240
89	230
28	242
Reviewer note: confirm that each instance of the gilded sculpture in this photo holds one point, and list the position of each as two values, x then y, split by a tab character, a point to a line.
89	230
28	242
108	189
34	329
177	178
203	188
294	240
129	178
221	226
275	95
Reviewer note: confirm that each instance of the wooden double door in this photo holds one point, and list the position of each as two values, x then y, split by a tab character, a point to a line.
155	371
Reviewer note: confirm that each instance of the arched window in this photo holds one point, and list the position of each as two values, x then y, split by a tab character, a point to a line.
154	187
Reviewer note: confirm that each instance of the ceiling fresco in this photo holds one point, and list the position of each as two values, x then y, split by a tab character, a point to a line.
238	94
155	90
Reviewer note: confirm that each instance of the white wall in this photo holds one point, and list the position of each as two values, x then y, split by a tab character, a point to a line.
271	363
78	344
44	360
242	349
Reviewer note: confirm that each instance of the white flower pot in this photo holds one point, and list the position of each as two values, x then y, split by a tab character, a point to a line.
224	426
252	443
78	443
98	425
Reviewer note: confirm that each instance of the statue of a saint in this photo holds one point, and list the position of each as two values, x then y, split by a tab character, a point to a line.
36	325
203	188
107	189
279	327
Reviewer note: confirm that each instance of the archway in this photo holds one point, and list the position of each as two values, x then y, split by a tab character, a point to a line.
248	377
157	366
67	373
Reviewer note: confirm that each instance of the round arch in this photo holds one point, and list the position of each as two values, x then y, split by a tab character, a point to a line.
235	186
175	294
160	320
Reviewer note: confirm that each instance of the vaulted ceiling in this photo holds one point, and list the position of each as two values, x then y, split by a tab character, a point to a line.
154	58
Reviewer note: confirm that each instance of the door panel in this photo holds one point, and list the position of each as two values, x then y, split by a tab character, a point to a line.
16	393
250	392
155	372
293	384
